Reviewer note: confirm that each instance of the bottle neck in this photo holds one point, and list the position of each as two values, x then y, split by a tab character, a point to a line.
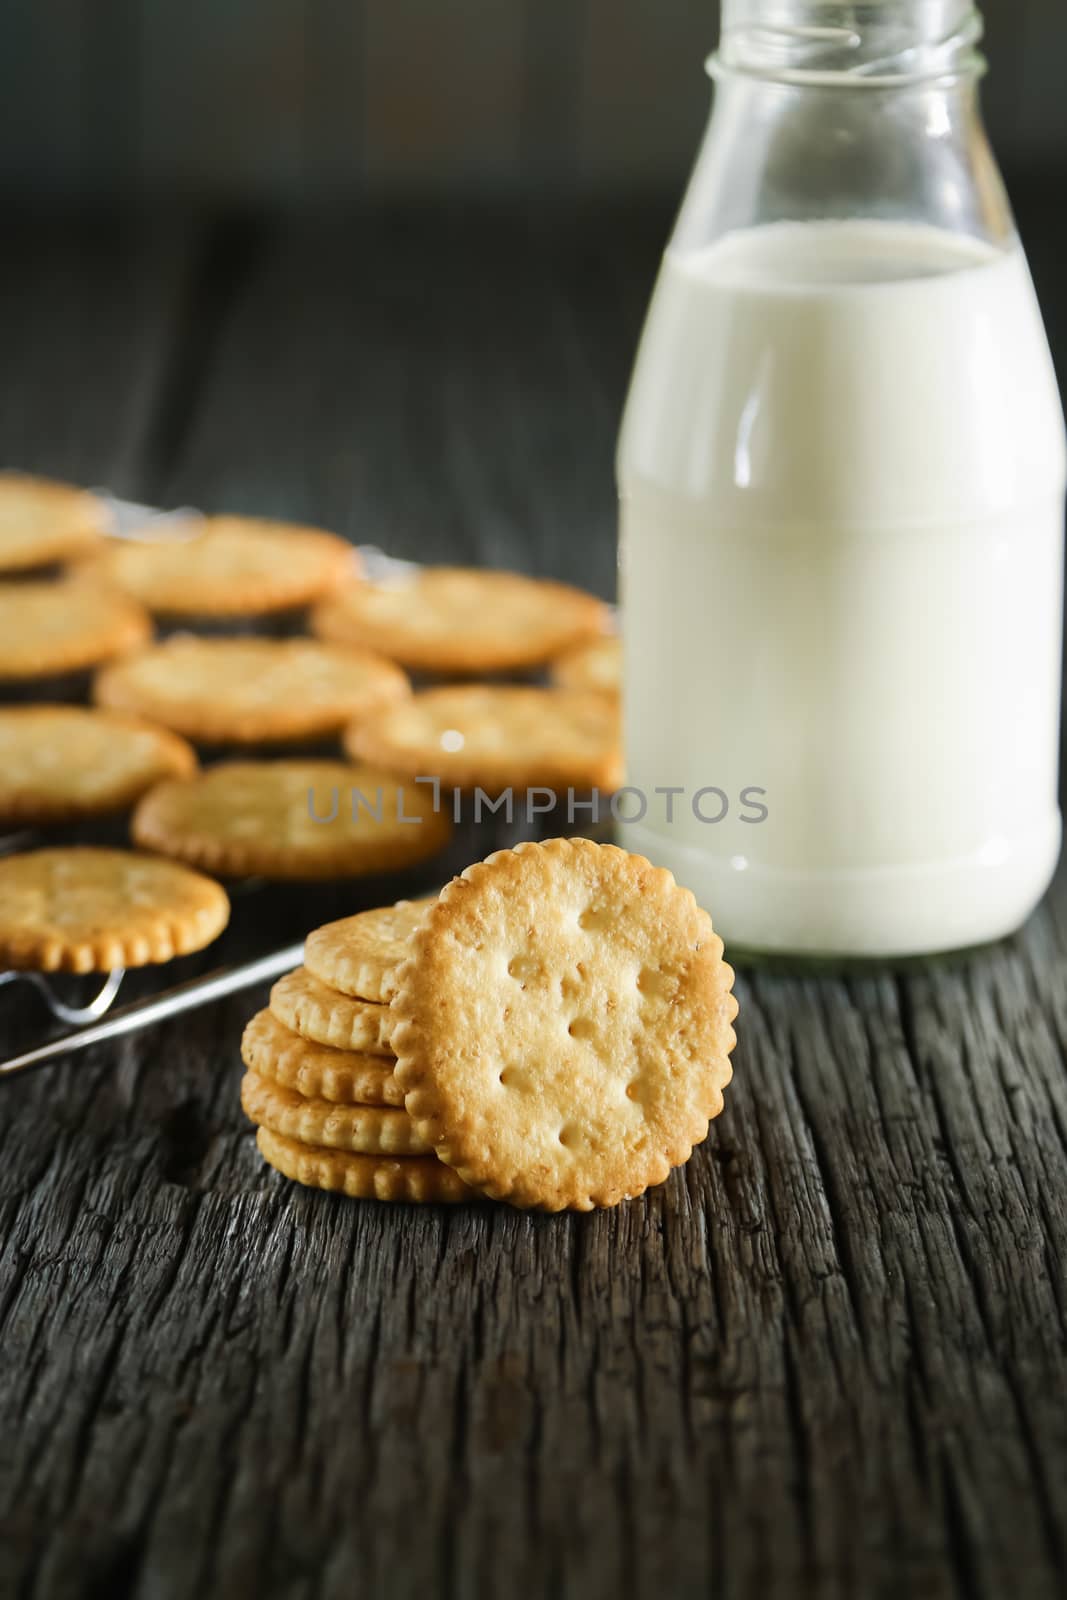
873	44
827	111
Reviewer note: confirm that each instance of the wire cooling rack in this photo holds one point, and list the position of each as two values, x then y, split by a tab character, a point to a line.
96	1021
142	1013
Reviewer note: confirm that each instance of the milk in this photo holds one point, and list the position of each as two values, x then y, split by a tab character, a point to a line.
842	472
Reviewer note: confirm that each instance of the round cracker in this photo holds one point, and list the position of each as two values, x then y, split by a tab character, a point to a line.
363	1130
420	1180
42	521
291	820
60	763
67	625
360	955
596	667
82	909
251	691
563	1025
349	1077
320	1014
459	619
229	567
496	736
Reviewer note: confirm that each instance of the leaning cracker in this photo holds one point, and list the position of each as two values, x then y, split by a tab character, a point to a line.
563	1025
291	819
82	909
59	763
349	1077
422	1180
42	521
47	629
229	567
363	1130
459	619
251	691
360	955
494	737
596	666
319	1013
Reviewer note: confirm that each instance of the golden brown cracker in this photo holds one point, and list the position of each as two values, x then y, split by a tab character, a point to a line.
42	521
59	763
359	955
316	1071
563	1025
461	620
291	820
363	1130
494	737
83	909
250	691
321	1014
226	566
420	1180
66	625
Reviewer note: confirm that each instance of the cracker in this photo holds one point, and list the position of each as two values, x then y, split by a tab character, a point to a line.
596	666
251	691
320	1014
359	955
563	1025
421	1180
291	819
42	522
496	736
458	619
82	909
349	1077
229	567
60	763
47	629
364	1130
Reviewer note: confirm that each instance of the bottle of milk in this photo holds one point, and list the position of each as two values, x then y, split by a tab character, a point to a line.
842	473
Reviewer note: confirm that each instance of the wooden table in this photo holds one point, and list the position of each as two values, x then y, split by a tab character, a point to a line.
826	1359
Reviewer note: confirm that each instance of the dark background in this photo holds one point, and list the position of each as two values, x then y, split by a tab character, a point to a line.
826	1361
276	103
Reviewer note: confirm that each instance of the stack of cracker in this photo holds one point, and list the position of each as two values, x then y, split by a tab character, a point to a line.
553	1031
320	1083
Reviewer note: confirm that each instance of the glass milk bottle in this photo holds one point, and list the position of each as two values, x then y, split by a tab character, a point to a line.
841	475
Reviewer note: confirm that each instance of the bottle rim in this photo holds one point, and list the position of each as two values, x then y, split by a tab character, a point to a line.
797	55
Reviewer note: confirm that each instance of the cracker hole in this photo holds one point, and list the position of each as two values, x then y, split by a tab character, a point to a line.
595	919
581	1028
569	1136
513	1078
655	984
522	968
635	1091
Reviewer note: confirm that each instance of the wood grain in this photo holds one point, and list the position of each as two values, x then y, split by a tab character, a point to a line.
88	319
827	1359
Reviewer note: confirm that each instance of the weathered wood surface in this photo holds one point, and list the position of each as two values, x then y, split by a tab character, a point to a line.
828	1359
